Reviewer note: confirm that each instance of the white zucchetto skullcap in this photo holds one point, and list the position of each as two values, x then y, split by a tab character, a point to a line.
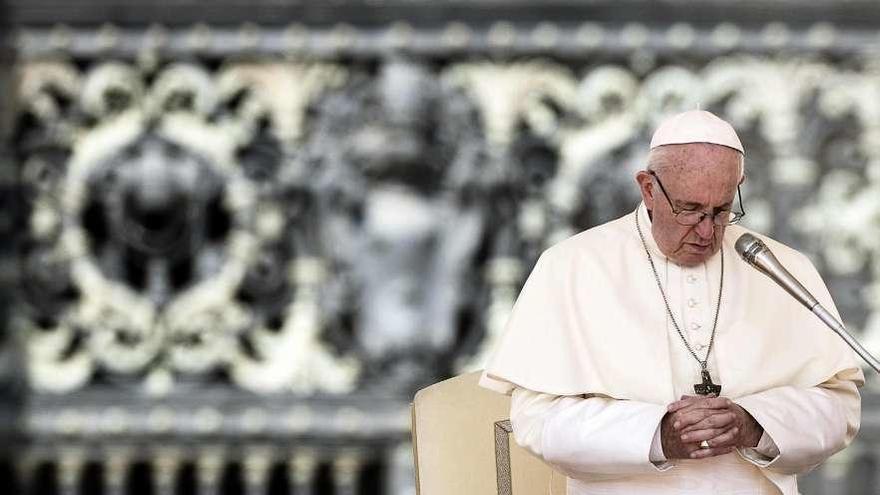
696	126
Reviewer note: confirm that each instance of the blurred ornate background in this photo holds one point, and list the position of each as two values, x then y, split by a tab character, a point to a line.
238	235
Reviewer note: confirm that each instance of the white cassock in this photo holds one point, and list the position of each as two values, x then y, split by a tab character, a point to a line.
592	360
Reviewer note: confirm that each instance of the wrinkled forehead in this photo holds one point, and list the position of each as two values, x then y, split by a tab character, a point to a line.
685	160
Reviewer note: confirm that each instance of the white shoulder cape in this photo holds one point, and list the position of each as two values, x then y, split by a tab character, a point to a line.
590	320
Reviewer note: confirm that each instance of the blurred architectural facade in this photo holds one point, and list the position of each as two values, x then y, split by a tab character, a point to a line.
238	236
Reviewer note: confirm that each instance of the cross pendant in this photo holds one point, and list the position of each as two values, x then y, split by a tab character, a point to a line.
707	387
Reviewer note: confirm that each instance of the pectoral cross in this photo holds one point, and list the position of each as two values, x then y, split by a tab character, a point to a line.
707	387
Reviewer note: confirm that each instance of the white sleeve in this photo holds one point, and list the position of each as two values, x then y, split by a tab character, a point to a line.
587	436
803	426
762	454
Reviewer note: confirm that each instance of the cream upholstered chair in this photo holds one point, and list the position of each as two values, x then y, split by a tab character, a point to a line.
463	444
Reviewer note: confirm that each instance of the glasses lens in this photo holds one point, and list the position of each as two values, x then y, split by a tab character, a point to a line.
731	218
725	217
689	217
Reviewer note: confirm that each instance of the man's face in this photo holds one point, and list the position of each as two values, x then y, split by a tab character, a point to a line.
696	177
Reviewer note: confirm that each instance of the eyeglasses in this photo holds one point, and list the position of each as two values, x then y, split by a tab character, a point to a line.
693	217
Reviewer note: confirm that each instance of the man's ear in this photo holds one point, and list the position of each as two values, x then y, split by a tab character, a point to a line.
646	188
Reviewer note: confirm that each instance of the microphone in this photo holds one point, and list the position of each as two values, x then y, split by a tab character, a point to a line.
754	252
757	254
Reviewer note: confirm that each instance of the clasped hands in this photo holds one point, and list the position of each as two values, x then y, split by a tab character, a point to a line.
719	421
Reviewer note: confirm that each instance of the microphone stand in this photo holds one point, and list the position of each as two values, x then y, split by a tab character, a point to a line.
754	252
839	329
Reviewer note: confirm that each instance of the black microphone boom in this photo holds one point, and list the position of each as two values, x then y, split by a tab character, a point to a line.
759	256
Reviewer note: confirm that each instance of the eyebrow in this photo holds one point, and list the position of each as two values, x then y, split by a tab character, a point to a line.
694	205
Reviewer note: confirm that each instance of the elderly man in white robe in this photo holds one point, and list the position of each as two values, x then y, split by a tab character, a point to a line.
644	357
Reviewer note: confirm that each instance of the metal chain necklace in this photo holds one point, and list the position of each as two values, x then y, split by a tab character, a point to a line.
707	387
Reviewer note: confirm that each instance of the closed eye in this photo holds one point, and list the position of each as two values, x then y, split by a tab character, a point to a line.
698	207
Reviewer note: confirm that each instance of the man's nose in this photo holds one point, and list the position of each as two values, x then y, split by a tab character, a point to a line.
706	227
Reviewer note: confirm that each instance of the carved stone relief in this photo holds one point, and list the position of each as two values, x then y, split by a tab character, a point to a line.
306	226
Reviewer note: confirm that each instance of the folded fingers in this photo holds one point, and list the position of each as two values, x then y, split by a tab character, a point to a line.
691	402
705	417
712	420
715	437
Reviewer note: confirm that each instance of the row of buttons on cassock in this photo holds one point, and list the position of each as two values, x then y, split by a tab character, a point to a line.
692	304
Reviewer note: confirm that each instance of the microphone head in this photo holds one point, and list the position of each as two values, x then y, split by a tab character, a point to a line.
758	256
749	246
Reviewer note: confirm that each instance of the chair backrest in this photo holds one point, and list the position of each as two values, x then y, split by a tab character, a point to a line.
463	444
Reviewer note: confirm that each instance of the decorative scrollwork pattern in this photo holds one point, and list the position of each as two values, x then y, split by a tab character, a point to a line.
309	226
